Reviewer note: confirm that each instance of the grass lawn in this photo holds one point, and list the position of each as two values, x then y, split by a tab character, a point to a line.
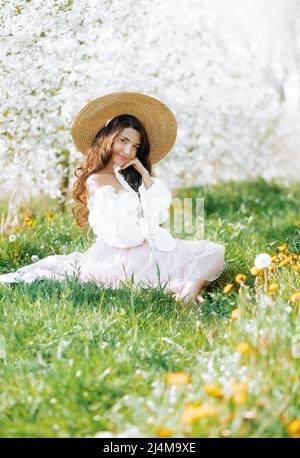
90	362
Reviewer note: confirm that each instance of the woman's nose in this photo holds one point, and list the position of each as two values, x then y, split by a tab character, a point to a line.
127	149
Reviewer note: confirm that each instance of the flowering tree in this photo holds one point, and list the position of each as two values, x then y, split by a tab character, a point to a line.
231	94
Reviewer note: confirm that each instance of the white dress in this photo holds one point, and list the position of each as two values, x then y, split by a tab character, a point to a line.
131	245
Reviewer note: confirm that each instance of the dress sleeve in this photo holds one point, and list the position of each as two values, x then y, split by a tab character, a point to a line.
156	200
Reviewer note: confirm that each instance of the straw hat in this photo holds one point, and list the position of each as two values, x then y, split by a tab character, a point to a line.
157	118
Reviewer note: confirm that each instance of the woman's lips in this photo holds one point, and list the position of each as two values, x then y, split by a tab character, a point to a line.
122	157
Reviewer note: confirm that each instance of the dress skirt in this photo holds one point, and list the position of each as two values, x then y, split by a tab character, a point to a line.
144	265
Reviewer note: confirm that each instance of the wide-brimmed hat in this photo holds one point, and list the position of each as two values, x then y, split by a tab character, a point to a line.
157	118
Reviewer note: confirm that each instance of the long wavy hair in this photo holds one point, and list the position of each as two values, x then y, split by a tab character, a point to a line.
100	154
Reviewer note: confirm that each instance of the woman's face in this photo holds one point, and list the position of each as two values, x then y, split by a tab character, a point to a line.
125	146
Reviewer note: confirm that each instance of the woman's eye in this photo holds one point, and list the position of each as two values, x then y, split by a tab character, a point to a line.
124	140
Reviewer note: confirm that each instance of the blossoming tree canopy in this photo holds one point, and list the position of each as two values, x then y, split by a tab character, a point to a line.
230	82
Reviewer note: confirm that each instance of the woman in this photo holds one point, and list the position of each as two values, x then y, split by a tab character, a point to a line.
122	135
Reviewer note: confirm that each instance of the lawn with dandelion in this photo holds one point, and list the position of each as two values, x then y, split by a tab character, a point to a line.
85	361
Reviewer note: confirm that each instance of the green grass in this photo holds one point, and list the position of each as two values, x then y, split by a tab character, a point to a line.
75	361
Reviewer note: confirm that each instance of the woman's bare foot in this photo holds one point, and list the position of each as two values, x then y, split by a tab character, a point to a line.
179	298
192	292
197	299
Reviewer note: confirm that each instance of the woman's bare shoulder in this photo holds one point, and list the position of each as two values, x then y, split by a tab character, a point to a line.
97	180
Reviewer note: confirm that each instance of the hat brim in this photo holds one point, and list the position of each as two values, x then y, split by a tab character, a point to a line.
158	120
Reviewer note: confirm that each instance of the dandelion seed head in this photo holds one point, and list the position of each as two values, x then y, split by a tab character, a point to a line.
262	261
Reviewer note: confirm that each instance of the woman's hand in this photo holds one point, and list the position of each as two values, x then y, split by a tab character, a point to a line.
136	163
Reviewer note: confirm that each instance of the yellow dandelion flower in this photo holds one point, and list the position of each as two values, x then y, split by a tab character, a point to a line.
178	378
164	432
282	255
227	288
213	389
273	287
193	413
239	393
50	214
28	220
296	267
240	278
293	256
235	313
243	348
293	428
255	271
271	268
283	248
240	398
298	223
284	262
295	297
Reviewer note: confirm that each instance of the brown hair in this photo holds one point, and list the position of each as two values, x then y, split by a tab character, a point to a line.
100	154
